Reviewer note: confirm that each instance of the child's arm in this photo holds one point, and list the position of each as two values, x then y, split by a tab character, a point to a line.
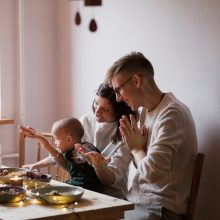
55	153
46	162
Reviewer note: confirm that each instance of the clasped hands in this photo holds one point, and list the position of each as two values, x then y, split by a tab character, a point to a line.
134	137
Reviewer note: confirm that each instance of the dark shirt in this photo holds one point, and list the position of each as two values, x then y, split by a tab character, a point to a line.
81	172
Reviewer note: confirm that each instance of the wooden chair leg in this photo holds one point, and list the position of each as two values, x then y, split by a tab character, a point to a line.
21	149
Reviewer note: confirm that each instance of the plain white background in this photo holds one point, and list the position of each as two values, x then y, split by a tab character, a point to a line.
63	64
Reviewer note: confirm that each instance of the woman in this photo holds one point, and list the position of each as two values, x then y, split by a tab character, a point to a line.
102	130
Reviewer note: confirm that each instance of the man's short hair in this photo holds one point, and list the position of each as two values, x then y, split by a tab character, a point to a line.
133	63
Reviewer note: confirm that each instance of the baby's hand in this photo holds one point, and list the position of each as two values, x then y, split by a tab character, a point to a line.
29	132
79	148
29	166
82	149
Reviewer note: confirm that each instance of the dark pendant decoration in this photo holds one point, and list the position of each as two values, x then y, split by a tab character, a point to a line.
93	2
77	18
93	25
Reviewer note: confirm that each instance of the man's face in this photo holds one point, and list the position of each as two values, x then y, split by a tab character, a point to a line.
124	87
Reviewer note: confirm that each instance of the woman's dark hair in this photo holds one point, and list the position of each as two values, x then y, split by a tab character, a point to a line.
119	108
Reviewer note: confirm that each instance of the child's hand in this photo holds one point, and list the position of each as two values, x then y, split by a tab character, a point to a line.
79	148
29	132
29	166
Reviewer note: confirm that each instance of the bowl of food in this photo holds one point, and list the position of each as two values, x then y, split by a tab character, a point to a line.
7	173
29	177
32	177
58	194
12	193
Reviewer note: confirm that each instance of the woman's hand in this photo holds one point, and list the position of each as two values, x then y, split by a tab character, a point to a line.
96	159
99	162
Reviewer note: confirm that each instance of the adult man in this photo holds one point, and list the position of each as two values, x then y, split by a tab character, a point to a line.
163	147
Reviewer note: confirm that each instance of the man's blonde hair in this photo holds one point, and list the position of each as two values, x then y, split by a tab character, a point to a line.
133	63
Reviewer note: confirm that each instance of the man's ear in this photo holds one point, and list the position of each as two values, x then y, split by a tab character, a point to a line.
137	80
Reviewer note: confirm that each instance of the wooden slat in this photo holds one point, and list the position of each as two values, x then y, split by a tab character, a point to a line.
5	121
21	149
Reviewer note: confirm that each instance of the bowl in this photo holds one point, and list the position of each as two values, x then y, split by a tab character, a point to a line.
12	172
39	184
58	194
28	179
12	194
30	183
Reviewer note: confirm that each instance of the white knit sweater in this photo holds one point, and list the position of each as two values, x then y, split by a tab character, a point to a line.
100	135
164	176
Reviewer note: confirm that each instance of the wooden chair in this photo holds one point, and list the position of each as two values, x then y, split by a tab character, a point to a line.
58	173
195	186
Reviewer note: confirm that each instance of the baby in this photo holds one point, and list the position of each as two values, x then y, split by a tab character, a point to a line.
67	133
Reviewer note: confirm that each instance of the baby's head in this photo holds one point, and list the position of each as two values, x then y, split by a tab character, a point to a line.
67	132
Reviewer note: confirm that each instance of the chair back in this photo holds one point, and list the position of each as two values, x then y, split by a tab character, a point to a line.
195	186
58	173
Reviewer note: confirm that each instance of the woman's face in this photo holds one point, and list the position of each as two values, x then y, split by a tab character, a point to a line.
103	110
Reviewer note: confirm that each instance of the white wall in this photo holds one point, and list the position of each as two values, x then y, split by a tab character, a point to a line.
9	85
34	101
182	39
40	59
65	63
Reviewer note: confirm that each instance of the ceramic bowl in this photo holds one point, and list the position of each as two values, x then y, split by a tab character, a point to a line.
58	194
12	194
12	172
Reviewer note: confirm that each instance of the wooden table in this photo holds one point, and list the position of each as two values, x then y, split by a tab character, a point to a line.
92	206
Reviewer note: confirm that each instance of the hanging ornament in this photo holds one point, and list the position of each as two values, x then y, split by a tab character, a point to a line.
77	18
93	25
93	2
